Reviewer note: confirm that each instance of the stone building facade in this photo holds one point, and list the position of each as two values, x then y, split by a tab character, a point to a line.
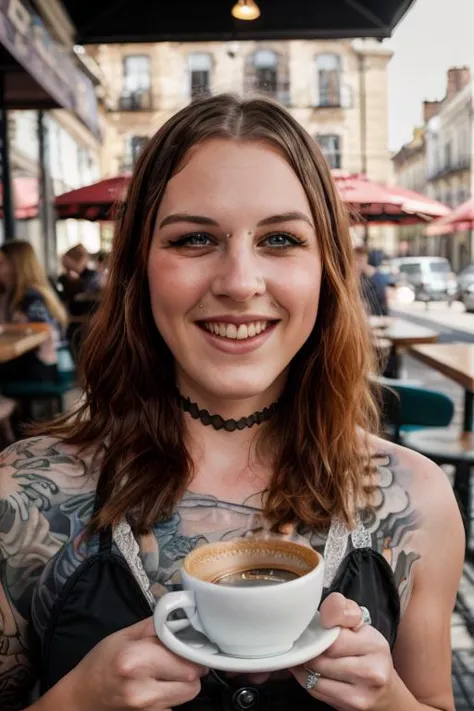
336	89
409	167
441	165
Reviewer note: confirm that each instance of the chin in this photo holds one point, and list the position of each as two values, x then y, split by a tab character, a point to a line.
244	389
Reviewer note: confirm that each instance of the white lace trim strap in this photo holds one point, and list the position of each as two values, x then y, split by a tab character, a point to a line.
335	548
128	547
337	541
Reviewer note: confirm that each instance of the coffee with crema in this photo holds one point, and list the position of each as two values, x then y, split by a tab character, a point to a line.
255	577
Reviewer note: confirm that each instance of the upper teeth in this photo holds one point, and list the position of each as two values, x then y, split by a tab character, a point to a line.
231	330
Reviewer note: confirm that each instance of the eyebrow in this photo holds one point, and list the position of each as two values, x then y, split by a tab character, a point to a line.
202	220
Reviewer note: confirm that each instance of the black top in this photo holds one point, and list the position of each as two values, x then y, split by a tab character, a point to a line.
102	596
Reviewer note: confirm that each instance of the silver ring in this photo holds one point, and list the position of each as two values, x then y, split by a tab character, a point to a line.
312	678
366	617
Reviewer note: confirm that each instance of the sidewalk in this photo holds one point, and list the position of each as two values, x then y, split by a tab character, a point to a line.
454	317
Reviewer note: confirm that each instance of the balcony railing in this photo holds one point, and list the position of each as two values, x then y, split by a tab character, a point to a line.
328	100
135	101
452	166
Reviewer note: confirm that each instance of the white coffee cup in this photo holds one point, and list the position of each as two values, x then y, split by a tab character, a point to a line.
258	617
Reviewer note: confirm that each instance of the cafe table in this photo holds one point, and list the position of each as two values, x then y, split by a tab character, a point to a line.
18	338
401	334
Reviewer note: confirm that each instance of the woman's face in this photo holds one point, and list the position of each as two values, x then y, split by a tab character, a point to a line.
234	272
7	273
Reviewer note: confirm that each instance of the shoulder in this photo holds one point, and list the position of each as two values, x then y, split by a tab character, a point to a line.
41	472
423	482
413	507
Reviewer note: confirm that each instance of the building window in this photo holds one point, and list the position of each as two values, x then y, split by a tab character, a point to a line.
330	145
200	67
328	78
132	149
267	73
136	89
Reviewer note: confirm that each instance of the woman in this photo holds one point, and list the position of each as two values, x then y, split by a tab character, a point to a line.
231	286
27	298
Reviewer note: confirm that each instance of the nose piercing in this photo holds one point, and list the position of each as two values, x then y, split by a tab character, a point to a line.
228	235
201	306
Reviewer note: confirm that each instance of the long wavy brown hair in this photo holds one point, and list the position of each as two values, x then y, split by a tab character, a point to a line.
130	414
29	274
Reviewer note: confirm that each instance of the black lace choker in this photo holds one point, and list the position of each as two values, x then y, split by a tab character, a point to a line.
218	422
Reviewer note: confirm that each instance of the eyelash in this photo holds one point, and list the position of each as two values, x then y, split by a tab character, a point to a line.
184	240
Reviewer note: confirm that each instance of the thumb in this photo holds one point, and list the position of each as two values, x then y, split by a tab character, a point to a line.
339	610
140	630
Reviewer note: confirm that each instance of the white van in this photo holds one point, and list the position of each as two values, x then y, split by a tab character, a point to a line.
431	278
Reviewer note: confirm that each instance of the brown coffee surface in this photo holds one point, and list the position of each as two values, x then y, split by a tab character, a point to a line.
256	577
215	561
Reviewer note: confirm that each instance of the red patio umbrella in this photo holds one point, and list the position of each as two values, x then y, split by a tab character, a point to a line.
379	203
461	218
25	197
93	202
368	200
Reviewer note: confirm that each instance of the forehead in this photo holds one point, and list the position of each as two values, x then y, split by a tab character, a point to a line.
225	174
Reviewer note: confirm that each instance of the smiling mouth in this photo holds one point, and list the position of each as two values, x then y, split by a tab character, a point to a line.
236	332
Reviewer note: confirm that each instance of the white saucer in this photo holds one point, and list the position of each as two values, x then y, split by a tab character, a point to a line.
195	647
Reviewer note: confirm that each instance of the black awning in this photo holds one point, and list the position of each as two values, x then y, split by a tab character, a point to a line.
115	21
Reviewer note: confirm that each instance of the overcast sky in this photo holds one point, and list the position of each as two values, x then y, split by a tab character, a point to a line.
433	36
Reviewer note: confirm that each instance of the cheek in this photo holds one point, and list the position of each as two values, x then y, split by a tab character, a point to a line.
299	291
173	288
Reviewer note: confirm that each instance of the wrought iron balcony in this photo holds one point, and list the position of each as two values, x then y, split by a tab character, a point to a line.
136	101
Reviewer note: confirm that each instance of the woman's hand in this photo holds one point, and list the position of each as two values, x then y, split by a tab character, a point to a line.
357	673
131	669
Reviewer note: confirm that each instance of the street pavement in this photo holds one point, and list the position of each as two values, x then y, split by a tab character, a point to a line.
454	325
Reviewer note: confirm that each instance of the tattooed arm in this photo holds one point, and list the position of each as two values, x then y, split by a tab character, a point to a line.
422	537
37	477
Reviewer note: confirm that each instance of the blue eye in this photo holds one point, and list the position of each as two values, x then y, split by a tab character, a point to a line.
282	240
196	239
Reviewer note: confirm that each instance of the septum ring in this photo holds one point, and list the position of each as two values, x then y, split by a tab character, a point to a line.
312	678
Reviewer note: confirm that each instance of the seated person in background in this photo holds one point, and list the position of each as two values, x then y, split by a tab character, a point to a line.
78	277
80	286
27	298
373	285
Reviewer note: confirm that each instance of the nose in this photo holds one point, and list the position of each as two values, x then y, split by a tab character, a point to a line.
239	276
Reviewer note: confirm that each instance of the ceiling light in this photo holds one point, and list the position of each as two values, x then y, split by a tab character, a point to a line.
246	10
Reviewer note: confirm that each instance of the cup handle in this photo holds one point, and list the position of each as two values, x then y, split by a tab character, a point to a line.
168	603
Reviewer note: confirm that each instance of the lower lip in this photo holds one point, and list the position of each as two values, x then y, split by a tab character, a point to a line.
235	346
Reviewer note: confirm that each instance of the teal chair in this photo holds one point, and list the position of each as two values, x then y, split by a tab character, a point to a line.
27	391
410	408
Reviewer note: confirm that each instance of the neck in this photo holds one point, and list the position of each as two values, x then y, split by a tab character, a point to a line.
227	464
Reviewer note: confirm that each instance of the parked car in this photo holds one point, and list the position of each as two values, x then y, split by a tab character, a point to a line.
465	292
431	278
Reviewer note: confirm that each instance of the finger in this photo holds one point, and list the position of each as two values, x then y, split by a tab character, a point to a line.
349	670
148	658
336	694
339	610
144	628
352	643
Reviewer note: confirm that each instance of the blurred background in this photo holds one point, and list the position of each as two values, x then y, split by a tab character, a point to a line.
385	87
